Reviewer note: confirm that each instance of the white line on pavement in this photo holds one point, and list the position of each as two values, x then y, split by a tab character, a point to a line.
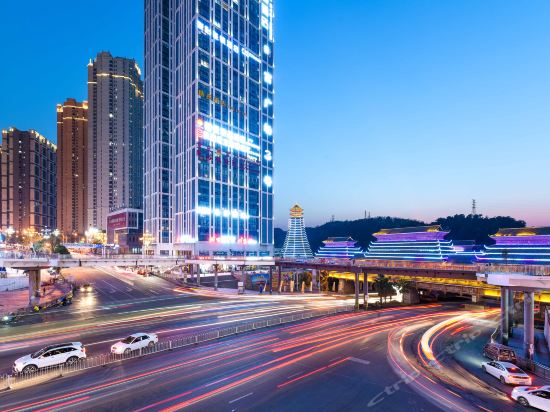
362	361
242	397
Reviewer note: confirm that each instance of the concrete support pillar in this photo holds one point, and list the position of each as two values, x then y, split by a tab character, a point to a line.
504	315
183	275
356	290
365	291
34	285
315	279
529	324
511	310
198	271
271	280
341	285
215	277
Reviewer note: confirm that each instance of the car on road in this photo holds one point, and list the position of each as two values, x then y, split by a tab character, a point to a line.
135	342
54	355
506	372
9	318
533	396
498	352
86	287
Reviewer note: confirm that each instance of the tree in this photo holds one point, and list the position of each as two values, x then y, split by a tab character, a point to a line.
403	285
384	287
306	278
61	249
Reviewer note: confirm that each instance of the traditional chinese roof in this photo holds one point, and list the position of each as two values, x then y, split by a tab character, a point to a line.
296	211
412	229
524	231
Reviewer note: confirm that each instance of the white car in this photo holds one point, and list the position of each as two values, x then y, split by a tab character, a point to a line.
506	372
534	396
135	342
64	353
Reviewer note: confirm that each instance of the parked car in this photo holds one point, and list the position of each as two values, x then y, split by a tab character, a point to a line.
64	353
498	352
534	396
134	342
506	372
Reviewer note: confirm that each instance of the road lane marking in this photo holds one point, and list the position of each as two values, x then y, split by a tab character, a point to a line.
362	361
294	374
242	397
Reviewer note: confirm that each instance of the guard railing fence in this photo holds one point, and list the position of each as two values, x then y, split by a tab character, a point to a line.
10	381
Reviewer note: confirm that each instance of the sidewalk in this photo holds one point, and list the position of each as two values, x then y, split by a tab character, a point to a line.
14	300
542	353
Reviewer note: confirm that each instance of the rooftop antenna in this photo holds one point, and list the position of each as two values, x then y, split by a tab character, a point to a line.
474	208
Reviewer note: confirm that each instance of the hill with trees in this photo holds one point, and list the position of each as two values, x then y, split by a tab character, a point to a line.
462	227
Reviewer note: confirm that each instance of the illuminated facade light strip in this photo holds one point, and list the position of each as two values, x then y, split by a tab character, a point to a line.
222	136
512	259
120	76
226	41
411	242
232	213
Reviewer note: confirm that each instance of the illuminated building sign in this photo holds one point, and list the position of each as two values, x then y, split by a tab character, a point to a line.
220	135
228	239
225	41
267	17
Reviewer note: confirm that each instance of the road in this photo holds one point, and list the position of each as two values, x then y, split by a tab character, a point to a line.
326	364
122	304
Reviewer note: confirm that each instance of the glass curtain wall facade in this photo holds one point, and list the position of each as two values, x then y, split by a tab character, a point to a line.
209	126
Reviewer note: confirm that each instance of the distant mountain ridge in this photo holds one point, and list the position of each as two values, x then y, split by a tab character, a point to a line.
462	227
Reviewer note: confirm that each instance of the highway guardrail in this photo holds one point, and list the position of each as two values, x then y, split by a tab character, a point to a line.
11	381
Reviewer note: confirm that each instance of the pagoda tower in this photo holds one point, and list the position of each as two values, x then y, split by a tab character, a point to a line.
296	245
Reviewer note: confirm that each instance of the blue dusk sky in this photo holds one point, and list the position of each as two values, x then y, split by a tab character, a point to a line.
403	108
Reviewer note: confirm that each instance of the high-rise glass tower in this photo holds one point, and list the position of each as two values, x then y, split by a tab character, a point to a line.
209	126
115	137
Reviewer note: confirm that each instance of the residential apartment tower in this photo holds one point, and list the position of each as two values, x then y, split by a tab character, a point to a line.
27	181
115	134
72	168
